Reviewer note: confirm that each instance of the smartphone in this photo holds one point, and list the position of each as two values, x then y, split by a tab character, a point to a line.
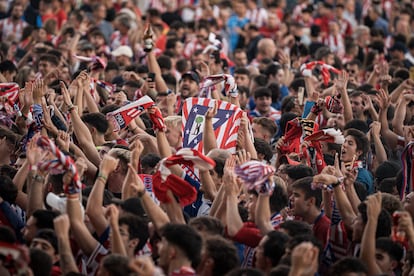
301	95
151	77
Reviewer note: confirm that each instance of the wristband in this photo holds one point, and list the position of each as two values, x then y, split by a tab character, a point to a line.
33	168
38	178
104	178
339	182
71	107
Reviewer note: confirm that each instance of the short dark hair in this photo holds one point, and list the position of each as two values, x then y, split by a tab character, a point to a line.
209	224
40	262
7	66
296	227
262	147
384	221
186	238
360	139
7	234
360	125
348	265
299	171
267	124
137	228
274	246
50	236
164	62
44	218
392	248
305	185
223	252
245	271
97	120
242	71
52	59
8	191
262	92
116	264
279	199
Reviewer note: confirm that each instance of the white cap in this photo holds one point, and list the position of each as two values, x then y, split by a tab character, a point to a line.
56	202
59	203
122	51
128	12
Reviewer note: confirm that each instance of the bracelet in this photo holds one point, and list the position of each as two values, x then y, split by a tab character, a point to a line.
104	178
33	168
38	178
71	107
339	182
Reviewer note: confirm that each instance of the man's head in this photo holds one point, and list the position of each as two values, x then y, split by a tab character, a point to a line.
263	100
179	243
8	70
207	226
134	232
40	219
173	133
189	84
241	76
349	266
270	250
219	156
46	240
388	254
357	104
218	257
355	146
296	172
383	228
304	199
17	10
47	64
264	128
240	58
123	55
115	179
96	122
114	265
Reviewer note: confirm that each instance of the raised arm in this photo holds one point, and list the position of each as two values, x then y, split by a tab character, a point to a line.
368	237
389	136
380	153
94	208
341	87
81	130
209	139
262	216
117	245
66	260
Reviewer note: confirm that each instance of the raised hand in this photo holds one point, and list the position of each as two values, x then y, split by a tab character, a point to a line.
61	225
112	214
63	140
212	111
342	81
242	157
108	164
374	205
65	93
39	90
34	154
143	266
375	129
304	259
137	149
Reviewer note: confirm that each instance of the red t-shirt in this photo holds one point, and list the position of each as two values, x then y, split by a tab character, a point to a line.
321	228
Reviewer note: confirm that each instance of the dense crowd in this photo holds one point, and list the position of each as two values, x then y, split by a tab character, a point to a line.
206	137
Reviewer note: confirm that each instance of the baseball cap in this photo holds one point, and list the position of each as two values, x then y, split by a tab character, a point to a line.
59	203
192	75
122	51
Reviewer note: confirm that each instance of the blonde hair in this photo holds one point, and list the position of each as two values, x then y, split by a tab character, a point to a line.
173	121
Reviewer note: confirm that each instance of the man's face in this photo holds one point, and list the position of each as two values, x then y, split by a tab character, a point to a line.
30	229
349	149
17	11
240	59
9	75
173	135
45	246
260	132
263	104
251	207
353	71
336	121
241	80
299	204
188	87
46	67
260	258
384	261
6	148
164	248
409	203
357	105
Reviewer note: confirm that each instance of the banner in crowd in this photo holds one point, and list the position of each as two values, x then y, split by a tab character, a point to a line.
121	117
225	124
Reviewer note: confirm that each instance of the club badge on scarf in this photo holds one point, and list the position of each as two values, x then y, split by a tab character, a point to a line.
230	86
121	117
255	176
226	123
306	70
